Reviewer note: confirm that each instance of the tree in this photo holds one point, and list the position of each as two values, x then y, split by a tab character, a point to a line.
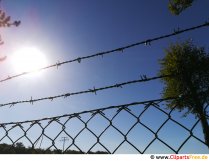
5	21
177	6
188	66
19	145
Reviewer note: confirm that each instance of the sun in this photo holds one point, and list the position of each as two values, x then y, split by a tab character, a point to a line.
27	59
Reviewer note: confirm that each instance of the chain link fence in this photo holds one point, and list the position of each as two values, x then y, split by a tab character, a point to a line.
140	127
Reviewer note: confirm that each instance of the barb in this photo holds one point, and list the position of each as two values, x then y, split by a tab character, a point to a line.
120	49
94	90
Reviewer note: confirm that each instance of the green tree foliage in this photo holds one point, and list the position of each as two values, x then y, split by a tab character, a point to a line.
5	21
188	66
19	145
19	148
177	6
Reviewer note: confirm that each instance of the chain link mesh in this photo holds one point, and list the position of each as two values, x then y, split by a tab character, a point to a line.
140	127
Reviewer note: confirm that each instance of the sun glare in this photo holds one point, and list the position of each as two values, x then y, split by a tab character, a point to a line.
28	59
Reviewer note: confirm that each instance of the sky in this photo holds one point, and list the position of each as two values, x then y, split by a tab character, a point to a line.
67	29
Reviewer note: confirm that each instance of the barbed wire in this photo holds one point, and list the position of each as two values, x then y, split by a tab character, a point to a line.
120	49
86	118
143	78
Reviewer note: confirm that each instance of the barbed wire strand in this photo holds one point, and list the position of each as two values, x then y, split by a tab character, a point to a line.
120	49
144	78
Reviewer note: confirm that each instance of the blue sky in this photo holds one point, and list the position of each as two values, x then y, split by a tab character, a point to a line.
68	29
